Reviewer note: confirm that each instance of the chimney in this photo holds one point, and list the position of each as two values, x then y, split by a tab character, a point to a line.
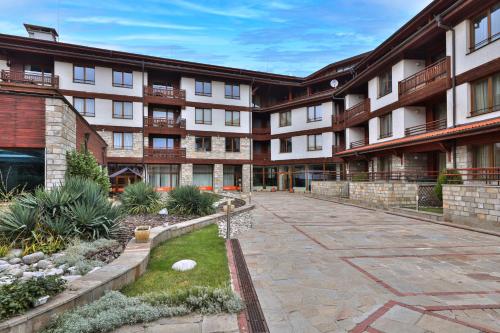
43	33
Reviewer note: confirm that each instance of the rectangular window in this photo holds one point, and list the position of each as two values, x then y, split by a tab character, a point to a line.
203	176
203	88
285	118
233	145
123	140
85	106
232	90
314	113
486	95
82	74
314	142
163	176
385	83
232	118
286	145
123	110
385	126
203	116
163	143
203	143
485	28
122	79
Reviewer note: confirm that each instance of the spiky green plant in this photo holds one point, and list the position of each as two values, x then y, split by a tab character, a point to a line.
140	198
189	201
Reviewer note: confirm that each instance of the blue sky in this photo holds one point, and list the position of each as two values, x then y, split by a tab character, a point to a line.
294	37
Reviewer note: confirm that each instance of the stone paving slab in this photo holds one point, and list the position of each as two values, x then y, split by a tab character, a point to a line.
301	252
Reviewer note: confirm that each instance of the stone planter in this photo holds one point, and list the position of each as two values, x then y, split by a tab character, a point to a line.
142	234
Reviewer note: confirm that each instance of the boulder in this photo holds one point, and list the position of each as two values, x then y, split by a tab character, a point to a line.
30	259
43	264
16	272
15	253
184	265
15	261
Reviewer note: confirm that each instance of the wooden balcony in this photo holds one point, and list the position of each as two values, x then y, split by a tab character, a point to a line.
427	127
338	122
164	155
262	157
359	143
430	81
337	149
357	114
170	96
164	126
33	79
261	134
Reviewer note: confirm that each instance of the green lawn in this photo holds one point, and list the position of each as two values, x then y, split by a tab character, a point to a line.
437	210
203	246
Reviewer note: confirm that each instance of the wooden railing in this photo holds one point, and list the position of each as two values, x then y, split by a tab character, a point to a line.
357	113
439	69
172	93
427	127
266	156
337	149
166	153
359	143
32	78
488	176
261	130
164	122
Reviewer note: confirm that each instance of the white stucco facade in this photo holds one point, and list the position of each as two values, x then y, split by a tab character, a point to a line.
299	148
218	93
218	121
299	119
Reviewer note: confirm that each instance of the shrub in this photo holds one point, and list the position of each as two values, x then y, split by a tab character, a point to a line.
111	311
447	177
79	208
83	164
360	177
9	193
47	245
20	296
188	200
140	198
4	250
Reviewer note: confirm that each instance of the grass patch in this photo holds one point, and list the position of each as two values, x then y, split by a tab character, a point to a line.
436	210
203	246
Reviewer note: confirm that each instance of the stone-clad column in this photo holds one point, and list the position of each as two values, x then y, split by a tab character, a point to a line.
218	177
60	137
186	174
245	177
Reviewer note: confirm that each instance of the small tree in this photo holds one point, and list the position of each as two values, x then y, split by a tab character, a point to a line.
84	164
446	177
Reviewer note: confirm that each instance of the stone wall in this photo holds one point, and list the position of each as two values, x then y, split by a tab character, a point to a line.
136	150
385	194
218	177
473	205
246	170
328	188
186	174
218	149
60	137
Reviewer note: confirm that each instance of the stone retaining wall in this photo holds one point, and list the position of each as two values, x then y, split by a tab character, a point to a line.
385	194
472	205
124	270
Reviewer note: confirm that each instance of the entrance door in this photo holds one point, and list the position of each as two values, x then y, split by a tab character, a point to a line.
283	178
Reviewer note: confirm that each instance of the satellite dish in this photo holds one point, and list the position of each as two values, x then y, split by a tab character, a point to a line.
334	84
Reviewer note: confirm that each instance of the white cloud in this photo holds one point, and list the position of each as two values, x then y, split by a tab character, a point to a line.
130	23
237	12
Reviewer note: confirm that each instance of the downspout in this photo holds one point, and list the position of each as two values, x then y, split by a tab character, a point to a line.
441	25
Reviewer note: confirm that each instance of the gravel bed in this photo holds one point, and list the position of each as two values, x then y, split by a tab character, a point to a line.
240	223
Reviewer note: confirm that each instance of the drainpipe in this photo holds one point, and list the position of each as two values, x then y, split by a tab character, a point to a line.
441	25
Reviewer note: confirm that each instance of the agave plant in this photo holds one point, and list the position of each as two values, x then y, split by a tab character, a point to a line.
18	222
140	198
188	200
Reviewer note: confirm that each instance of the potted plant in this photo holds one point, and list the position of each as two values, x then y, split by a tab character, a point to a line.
142	233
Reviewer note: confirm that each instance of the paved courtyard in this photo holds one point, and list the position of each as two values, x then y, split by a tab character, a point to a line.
320	266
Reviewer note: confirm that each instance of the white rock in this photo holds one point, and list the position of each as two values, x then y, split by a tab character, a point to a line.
73	270
15	272
14	253
184	265
164	211
33	258
4	267
14	261
54	271
41	300
70	278
3	262
43	264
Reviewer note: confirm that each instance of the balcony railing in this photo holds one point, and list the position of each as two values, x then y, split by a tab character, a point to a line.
169	93
261	130
266	156
165	153
358	113
337	149
438	70
404	175
31	78
427	127
488	176
359	143
164	122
